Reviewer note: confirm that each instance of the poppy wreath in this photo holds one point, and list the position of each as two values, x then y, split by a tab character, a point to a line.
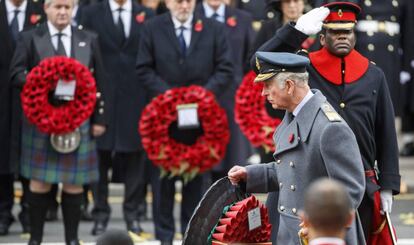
233	226
172	157
251	114
42	80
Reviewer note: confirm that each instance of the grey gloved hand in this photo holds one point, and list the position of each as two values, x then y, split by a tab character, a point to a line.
386	201
311	22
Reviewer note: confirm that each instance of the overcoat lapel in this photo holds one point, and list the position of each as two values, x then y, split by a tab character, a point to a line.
170	32
80	48
43	42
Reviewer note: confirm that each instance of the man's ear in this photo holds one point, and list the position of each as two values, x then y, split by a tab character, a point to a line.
290	86
322	39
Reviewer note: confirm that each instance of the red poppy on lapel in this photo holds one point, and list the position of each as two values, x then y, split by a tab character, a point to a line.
291	138
34	18
198	26
140	18
231	21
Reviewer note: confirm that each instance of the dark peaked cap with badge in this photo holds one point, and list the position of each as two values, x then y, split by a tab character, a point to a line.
342	16
269	64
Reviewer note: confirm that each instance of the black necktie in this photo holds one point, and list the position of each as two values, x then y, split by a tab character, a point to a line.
60	48
14	25
181	41
120	25
215	16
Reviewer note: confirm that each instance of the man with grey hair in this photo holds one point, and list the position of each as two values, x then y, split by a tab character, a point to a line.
327	212
43	164
307	146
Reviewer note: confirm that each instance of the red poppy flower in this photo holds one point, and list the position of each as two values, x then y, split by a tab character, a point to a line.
198	26
140	18
175	158
231	21
291	138
43	79
34	18
251	114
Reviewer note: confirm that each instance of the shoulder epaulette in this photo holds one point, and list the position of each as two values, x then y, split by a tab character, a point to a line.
330	113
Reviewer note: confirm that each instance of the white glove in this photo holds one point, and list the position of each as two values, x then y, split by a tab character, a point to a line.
311	22
386	201
404	77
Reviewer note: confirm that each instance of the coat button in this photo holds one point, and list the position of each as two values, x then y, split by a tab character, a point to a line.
91	70
294	210
101	111
270	15
367	3
282	208
393	18
102	103
98	95
368	17
342	105
293	187
278	161
395	3
370	33
390	47
280	184
292	164
371	47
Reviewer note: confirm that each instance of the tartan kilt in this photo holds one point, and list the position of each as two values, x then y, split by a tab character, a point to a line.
41	162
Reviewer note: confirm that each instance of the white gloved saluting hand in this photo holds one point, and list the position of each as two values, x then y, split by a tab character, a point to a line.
386	201
311	22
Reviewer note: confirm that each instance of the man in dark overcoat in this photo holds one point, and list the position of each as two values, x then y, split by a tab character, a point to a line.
358	90
43	164
306	146
15	16
119	24
181	49
239	31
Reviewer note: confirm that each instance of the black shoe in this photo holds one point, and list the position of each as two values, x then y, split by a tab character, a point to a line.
24	221
33	242
134	226
99	227
51	214
407	150
166	242
5	225
73	242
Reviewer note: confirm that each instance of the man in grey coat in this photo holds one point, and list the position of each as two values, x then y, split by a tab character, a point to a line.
312	141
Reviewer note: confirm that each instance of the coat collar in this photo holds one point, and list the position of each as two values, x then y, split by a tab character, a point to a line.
330	66
289	133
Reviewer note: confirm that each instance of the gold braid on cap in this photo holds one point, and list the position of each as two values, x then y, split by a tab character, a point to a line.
257	64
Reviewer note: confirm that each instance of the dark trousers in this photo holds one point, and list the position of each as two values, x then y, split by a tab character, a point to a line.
132	165
163	203
6	197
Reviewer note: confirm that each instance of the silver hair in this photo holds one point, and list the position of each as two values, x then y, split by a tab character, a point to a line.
48	2
300	79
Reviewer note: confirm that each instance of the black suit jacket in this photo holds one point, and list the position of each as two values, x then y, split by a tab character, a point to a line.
35	45
9	107
160	65
240	36
125	97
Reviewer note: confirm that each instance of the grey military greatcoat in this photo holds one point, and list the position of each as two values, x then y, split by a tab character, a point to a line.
316	143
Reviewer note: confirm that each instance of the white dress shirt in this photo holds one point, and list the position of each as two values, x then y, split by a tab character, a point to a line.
66	37
126	14
187	32
21	15
307	97
327	240
208	11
